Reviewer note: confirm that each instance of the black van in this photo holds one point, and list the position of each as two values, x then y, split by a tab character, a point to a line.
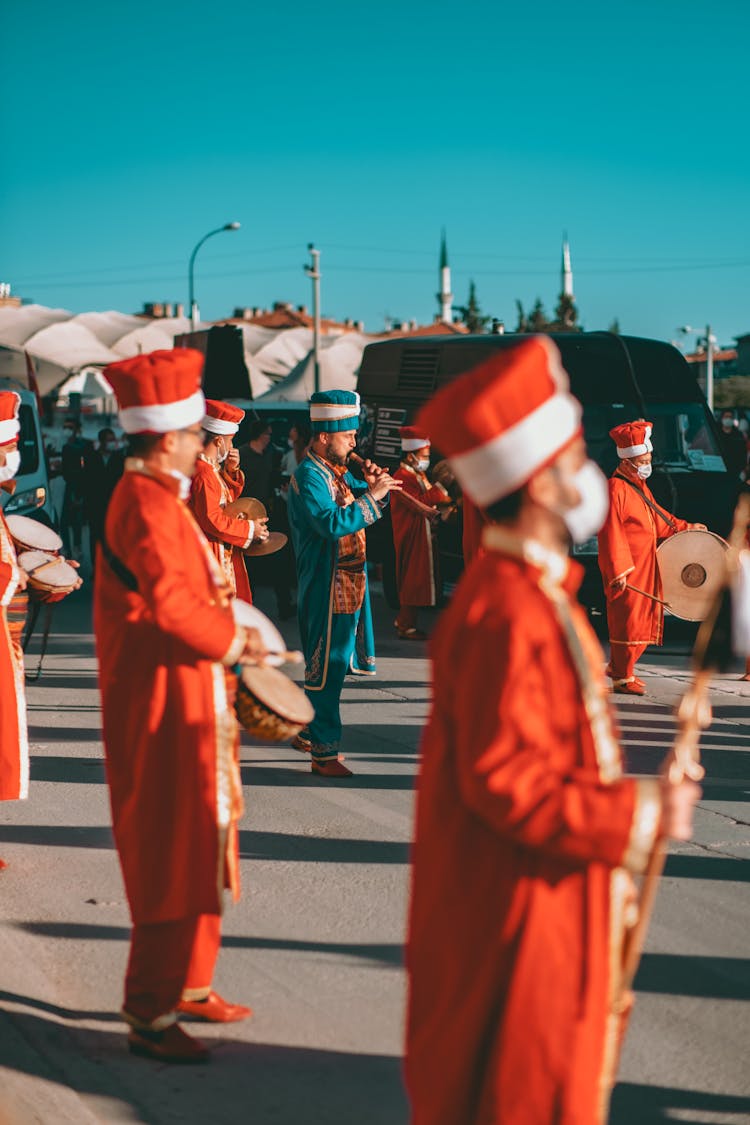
616	378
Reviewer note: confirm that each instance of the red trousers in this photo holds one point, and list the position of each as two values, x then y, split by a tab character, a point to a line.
169	962
623	659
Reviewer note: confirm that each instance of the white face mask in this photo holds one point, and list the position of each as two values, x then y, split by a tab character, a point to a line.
644	471
589	514
11	466
223	456
423	464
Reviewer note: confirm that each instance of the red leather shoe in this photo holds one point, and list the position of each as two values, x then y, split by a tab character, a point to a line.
214	1009
632	687
173	1045
330	767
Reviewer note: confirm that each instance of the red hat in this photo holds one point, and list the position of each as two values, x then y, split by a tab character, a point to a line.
413	437
221	418
632	438
504	420
159	391
9	427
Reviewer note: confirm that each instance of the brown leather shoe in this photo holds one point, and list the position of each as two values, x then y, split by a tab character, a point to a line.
214	1009
302	741
173	1045
330	767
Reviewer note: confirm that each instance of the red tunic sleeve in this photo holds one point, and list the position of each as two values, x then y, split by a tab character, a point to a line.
205	503
514	766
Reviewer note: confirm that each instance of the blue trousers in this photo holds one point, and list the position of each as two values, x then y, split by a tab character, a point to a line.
326	726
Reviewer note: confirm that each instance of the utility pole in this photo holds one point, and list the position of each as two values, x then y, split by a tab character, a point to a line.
709	368
312	269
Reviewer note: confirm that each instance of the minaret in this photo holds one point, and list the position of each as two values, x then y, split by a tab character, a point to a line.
566	270
445	297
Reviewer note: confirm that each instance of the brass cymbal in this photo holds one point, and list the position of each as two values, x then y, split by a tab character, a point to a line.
276	540
248	507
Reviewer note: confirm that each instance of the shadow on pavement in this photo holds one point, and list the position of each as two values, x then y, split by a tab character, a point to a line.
654	1105
721	868
385	952
57	767
57	836
245	1081
720	978
319	849
297	773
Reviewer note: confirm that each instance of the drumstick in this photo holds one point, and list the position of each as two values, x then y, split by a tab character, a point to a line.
645	595
289	657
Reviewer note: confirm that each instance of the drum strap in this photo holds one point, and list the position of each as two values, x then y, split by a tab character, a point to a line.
667	519
118	567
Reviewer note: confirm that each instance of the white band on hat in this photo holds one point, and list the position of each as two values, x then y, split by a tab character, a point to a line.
333	411
637	450
409	444
504	463
9	430
219	426
163	417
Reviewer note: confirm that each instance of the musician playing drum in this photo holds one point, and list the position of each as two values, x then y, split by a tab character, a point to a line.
414	514
166	637
14	746
218	480
627	556
526	826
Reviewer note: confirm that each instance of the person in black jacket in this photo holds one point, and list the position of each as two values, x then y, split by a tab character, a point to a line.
733	445
73	453
103	467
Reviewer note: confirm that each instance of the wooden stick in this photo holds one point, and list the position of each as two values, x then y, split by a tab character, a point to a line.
289	657
651	596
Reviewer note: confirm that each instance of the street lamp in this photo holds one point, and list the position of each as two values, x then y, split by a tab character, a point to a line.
710	342
191	301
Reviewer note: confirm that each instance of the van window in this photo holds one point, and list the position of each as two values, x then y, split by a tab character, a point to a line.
28	446
683	439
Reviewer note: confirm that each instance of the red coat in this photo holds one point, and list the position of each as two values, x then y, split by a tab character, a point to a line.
627	546
414	536
474	522
14	745
170	734
212	489
523	819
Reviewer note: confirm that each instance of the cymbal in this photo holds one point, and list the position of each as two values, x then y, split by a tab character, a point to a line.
276	540
692	566
248	507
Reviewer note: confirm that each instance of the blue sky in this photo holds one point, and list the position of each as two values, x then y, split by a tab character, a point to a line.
129	130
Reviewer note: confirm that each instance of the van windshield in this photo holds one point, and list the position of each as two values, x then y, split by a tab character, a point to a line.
682	437
28	446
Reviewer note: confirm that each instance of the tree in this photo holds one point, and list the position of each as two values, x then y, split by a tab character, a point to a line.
523	321
471	314
566	315
538	321
614	327
734	391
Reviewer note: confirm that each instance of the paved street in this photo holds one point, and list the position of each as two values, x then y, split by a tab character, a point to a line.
315	945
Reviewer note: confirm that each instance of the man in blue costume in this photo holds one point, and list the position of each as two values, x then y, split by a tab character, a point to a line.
328	513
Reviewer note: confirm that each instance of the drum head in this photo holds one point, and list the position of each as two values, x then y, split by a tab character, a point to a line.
692	566
47	570
248	507
33	535
276	540
250	617
279	694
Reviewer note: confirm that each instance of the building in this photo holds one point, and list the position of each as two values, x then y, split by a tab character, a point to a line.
285	315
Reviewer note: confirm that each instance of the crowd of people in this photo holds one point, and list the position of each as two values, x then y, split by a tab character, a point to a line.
528	832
